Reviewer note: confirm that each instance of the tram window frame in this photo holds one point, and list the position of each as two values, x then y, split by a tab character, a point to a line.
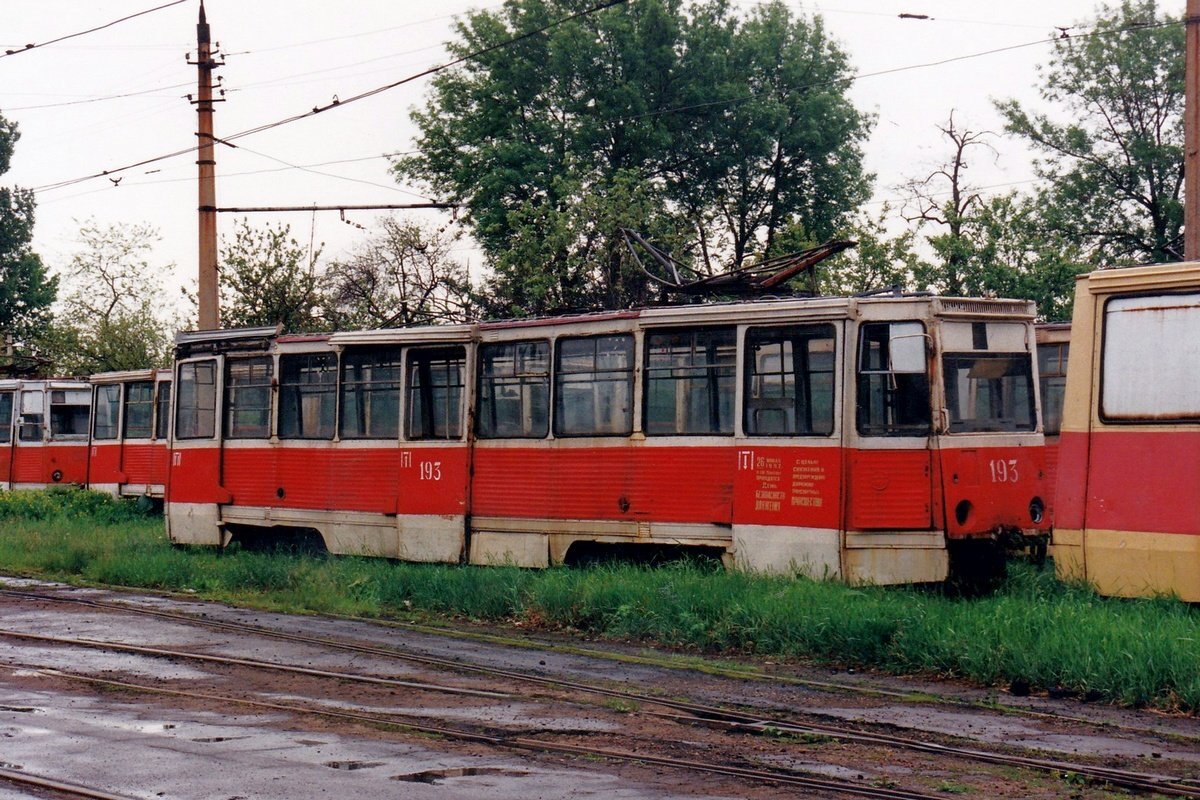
990	367
31	417
162	409
1183	388
144	429
883	390
70	413
598	383
372	399
1052	383
804	405
302	399
513	403
247	406
435	381
6	416
703	362
196	400
106	409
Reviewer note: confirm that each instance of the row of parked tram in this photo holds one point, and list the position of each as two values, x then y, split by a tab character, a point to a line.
874	439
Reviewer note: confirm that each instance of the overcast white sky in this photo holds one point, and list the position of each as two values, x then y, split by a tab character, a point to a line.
284	57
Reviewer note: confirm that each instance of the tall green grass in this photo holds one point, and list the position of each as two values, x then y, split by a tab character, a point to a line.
1035	629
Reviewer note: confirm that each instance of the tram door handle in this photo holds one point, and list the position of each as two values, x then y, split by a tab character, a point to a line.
943	420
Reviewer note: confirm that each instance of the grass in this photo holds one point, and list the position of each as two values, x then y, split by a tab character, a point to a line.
1034	630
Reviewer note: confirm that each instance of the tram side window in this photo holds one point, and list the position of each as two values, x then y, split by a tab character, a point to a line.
307	395
6	417
69	412
107	410
32	416
514	390
893	381
248	397
789	381
1052	380
1147	362
371	394
989	392
593	386
139	410
162	410
196	404
436	379
690	381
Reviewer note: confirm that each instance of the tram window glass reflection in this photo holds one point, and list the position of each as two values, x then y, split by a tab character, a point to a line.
196	405
514	390
139	410
893	382
106	412
789	381
163	410
371	394
33	403
307	395
69	413
6	417
248	397
989	392
1147	362
1052	380
435	393
690	381
593	386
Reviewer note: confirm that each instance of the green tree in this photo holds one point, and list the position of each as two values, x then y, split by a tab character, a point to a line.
269	278
710	132
27	291
1112	153
878	261
403	275
112	317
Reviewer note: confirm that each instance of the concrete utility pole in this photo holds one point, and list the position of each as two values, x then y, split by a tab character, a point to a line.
1191	136
207	295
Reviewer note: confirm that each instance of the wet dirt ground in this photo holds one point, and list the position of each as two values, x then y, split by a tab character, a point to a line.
57	721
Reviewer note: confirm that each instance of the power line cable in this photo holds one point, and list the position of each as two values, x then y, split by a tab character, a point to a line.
99	99
338	103
29	47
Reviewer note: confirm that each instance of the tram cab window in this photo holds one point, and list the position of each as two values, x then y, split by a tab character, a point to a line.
1052	380
33	418
196	404
307	395
371	394
139	410
789	381
1147	362
69	413
989	392
162	411
893	380
6	417
436	379
514	390
106	413
593	386
690	381
248	397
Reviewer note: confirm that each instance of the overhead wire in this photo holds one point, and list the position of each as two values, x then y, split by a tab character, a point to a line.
87	100
34	46
336	103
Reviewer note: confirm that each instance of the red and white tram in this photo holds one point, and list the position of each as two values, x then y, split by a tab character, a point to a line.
130	433
870	439
43	433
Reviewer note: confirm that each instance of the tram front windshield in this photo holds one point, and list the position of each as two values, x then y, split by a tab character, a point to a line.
989	392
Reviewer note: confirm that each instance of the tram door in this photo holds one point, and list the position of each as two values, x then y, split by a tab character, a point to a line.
890	465
6	436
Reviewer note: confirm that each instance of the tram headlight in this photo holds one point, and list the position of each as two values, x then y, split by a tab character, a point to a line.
1037	510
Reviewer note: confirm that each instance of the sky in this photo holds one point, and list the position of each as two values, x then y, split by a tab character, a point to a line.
117	96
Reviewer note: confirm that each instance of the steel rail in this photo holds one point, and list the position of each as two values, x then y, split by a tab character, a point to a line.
54	785
732	720
528	744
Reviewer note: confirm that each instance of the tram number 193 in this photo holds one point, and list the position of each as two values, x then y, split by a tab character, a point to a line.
1004	470
430	470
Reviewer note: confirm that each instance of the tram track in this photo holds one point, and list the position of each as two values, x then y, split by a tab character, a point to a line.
58	787
688	712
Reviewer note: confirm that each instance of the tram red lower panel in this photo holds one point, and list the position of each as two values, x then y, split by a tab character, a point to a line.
990	487
40	464
145	463
1136	481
